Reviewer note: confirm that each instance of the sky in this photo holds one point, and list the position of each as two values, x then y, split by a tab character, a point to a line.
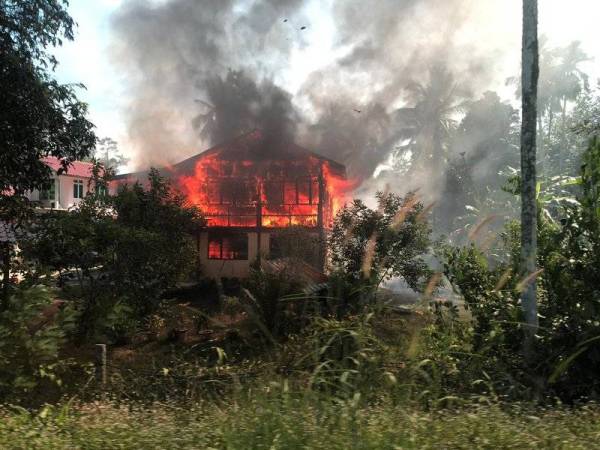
87	60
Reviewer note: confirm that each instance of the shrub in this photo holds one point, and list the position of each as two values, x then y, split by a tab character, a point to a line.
369	246
344	356
276	301
32	333
126	250
566	357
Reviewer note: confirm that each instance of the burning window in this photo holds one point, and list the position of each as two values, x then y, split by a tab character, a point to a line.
274	193
230	246
302	191
289	193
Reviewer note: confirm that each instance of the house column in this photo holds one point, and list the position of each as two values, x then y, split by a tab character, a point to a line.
320	220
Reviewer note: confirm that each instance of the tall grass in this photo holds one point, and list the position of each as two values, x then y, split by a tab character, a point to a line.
276	419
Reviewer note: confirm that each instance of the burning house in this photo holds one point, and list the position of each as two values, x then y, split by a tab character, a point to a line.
251	189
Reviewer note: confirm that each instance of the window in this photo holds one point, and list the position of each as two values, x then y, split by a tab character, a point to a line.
237	192
274	193
50	192
78	189
289	193
228	246
302	191
101	190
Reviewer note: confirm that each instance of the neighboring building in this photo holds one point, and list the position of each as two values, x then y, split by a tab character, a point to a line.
67	189
249	190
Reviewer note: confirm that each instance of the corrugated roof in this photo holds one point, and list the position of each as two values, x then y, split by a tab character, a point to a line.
75	169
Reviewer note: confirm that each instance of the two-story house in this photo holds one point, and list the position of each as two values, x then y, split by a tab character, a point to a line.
249	190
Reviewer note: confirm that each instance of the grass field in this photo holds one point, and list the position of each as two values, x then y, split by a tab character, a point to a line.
283	421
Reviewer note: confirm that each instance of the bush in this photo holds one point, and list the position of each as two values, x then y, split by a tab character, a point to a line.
344	356
126	251
276	301
566	357
32	332
369	246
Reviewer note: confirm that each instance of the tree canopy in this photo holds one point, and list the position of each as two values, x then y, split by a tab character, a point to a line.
38	116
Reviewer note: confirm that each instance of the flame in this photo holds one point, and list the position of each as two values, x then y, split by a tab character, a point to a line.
270	193
338	187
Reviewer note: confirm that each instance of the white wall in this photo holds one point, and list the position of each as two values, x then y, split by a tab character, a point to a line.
63	192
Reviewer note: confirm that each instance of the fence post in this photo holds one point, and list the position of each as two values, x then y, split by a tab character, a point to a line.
100	364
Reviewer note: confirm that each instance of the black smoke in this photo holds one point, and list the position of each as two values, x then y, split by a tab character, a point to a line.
200	72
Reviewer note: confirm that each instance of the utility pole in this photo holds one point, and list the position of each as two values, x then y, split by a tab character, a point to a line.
529	83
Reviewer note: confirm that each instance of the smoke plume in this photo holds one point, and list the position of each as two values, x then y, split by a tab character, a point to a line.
200	72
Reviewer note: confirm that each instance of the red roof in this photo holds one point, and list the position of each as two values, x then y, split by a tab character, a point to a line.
75	169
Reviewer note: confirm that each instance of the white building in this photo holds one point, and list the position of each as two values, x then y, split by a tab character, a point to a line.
67	189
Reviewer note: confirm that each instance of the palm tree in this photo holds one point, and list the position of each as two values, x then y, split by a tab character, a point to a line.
427	126
571	80
529	82
560	81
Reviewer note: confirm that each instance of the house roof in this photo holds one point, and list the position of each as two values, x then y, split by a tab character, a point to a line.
253	145
74	169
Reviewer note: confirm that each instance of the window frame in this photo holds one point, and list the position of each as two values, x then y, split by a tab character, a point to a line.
292	191
101	190
220	237
48	194
78	188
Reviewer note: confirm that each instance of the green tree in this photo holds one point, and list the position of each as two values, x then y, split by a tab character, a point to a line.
155	247
565	359
33	331
429	123
107	151
370	246
38	116
561	82
125	250
486	144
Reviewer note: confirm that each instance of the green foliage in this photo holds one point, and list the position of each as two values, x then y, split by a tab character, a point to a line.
590	181
126	250
566	355
344	357
107	151
276	301
32	332
38	116
277	418
369	246
570	256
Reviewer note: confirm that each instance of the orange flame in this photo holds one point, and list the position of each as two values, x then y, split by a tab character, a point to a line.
270	193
